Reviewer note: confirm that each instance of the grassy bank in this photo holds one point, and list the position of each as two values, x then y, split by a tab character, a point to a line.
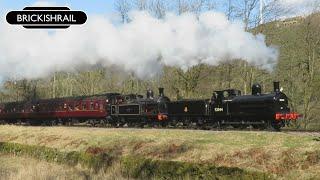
284	155
135	167
27	168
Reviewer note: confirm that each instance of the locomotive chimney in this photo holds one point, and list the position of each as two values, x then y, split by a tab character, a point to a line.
161	91
276	86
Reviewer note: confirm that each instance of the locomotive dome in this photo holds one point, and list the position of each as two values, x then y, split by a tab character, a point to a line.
256	89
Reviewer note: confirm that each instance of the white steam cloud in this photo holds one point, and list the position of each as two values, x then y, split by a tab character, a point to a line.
143	46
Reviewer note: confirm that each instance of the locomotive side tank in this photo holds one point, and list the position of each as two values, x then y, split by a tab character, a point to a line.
259	110
136	110
189	112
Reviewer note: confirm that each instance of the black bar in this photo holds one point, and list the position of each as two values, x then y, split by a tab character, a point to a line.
79	17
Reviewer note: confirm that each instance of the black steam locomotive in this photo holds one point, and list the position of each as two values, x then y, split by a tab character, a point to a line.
224	109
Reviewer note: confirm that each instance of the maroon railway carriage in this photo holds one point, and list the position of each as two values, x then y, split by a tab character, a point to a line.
60	110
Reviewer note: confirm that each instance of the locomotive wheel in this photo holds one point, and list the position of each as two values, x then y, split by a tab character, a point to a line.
50	122
54	122
102	123
258	126
92	122
19	122
164	124
33	122
236	126
273	126
68	122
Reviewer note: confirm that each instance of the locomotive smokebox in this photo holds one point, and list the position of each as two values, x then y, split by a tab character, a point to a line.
276	86
161	91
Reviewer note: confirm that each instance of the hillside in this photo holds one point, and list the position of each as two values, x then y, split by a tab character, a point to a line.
298	66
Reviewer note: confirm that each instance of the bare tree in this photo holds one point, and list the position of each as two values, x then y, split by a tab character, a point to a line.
230	9
311	63
210	5
123	7
244	9
158	8
182	6
194	6
141	5
197	6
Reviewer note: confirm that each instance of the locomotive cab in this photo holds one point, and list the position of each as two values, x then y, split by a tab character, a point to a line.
220	102
220	96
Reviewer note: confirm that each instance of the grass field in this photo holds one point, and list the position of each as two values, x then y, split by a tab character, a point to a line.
24	168
285	155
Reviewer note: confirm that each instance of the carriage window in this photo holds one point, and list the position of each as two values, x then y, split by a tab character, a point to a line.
60	107
101	106
78	106
70	107
96	105
84	106
91	105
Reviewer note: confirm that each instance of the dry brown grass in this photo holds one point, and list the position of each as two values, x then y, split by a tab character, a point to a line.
282	154
23	168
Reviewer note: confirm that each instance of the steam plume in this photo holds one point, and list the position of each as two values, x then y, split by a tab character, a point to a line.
143	46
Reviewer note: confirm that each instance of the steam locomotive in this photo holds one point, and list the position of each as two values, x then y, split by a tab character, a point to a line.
226	108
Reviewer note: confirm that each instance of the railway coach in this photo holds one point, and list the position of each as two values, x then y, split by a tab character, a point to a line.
66	111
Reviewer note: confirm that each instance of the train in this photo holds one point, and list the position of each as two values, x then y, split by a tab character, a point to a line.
225	108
